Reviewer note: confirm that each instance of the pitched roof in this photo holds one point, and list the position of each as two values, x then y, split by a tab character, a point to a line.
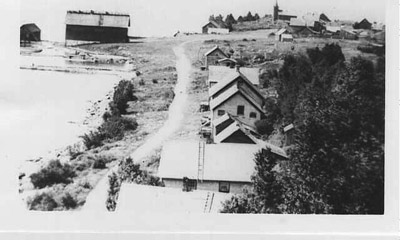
218	73
30	27
142	199
215	49
281	31
92	18
333	29
236	125
215	24
297	22
231	75
229	93
222	162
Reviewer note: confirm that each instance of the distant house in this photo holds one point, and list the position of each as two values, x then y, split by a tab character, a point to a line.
225	168
286	38
94	26
278	34
218	73
348	34
214	27
301	28
277	14
364	24
29	32
213	56
324	18
236	95
229	129
379	37
378	27
364	36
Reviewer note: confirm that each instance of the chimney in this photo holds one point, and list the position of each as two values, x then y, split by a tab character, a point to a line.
237	68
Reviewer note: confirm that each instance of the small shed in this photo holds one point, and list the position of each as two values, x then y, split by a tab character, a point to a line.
279	33
348	34
30	32
214	55
286	38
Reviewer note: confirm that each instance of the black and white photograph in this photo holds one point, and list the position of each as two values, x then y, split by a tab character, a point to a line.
203	108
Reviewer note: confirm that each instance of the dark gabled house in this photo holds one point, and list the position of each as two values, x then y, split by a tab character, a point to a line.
29	32
364	24
214	25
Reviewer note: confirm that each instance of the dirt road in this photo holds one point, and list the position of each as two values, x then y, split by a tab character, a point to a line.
97	197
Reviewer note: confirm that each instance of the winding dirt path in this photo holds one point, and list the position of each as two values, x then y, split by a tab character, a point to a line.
97	198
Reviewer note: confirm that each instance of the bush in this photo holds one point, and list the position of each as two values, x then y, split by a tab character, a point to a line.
155	81
123	93
115	127
264	127
141	82
99	164
42	202
93	139
53	173
69	202
113	191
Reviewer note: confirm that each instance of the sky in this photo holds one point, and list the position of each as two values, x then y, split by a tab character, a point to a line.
165	17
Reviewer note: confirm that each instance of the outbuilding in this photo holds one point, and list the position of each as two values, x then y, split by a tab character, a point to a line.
30	32
214	27
213	56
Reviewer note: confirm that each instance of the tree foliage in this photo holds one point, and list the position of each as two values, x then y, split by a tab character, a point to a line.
55	172
337	163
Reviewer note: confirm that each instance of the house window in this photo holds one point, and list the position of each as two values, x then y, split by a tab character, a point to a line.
253	115
240	110
224	187
221	112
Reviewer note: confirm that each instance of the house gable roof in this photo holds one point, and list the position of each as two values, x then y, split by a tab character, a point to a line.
235	126
216	48
217	74
30	27
233	75
215	24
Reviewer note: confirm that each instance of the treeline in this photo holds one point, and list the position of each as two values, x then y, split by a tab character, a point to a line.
230	19
336	164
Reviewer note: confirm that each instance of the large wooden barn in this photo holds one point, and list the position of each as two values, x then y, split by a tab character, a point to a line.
93	26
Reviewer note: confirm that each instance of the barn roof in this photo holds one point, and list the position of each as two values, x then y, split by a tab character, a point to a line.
218	73
30	27
92	18
222	162
236	125
215	49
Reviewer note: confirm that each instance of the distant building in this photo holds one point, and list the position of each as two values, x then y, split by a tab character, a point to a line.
286	38
278	34
236	94
324	18
214	27
29	32
278	16
94	26
228	62
213	56
364	24
348	34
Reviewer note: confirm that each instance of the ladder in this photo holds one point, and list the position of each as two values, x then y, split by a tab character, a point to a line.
209	202
200	161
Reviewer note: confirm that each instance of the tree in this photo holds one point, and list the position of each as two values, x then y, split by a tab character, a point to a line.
123	93
240	19
256	17
230	20
249	17
211	18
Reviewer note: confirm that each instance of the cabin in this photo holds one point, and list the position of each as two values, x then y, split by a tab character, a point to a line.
29	33
217	73
236	95
91	26
364	24
286	38
214	27
213	56
278	34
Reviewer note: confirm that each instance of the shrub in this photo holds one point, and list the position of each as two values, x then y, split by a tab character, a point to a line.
53	173
155	81
123	93
99	164
115	127
114	187
264	127
141	82
42	202
106	116
93	139
69	202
